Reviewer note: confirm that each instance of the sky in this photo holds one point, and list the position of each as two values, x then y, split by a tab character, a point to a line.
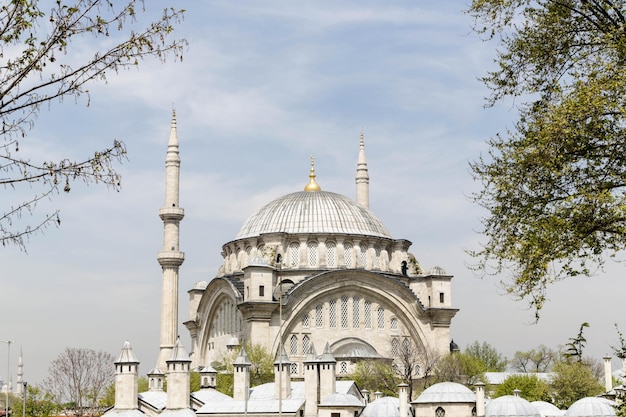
261	88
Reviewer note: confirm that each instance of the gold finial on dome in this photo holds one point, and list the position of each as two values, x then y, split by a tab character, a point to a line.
312	186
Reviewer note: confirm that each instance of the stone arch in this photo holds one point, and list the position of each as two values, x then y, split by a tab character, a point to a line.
396	298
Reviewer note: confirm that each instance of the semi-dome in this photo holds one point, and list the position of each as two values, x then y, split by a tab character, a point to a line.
313	212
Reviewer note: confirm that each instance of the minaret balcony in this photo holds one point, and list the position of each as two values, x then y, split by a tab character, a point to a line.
171	213
171	258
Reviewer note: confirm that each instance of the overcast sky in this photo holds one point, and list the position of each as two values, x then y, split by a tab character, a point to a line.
263	86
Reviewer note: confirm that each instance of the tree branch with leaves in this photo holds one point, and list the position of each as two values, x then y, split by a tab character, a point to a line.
554	186
38	67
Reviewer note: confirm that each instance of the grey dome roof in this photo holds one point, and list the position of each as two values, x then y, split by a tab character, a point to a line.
353	347
510	406
384	407
591	407
547	409
446	392
313	212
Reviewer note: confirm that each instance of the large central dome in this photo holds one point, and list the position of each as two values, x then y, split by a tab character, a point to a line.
313	212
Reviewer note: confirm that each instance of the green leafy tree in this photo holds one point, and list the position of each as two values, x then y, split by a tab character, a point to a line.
225	383
376	376
460	367
531	387
39	403
539	359
571	382
553	186
261	370
47	58
494	361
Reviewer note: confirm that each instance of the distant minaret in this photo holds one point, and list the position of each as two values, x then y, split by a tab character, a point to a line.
362	177
19	388
170	258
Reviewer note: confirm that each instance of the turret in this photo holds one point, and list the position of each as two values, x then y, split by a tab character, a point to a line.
282	377
126	370
178	374
170	258
208	377
241	383
311	383
328	378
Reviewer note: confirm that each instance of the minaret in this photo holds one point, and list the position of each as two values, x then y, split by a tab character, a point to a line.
170	258
362	177
19	389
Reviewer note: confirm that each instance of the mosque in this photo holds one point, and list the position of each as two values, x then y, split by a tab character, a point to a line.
311	270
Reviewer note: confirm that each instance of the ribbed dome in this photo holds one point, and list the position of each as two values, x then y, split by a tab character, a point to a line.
313	212
591	407
510	406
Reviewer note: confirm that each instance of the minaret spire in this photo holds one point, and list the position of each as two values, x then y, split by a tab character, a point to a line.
19	388
362	177
170	258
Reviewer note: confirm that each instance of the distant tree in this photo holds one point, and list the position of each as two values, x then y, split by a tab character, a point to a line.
39	403
539	359
460	367
531	387
428	360
408	365
80	376
376	376
224	383
575	346
494	361
46	58
571	382
194	381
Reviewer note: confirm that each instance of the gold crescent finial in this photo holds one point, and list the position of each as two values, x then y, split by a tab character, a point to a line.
312	186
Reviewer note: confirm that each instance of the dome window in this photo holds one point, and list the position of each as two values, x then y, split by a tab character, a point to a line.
294	258
347	254
330	254
440	412
312	247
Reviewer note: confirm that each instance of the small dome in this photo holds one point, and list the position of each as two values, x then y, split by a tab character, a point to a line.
446	392
510	406
436	270
547	409
384	407
591	407
200	285
313	212
353	348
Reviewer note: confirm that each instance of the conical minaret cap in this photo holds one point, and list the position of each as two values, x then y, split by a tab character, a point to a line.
327	356
242	359
179	354
281	356
311	355
127	355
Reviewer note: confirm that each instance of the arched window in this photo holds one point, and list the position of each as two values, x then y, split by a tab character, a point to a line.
293	369
394	323
367	306
356	304
319	318
394	347
294	254
381	318
312	247
306	344
293	345
440	412
343	368
305	320
344	312
376	258
347	254
363	256
332	313
406	347
330	254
